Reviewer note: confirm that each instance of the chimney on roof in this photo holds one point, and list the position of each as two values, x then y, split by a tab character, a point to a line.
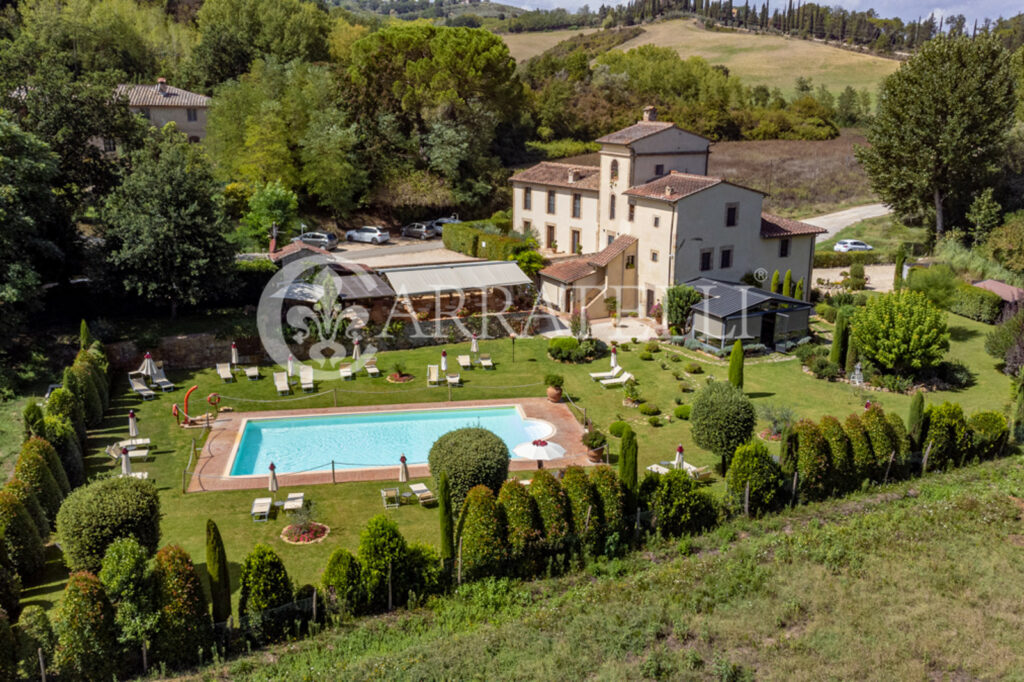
650	113
572	175
668	190
161	86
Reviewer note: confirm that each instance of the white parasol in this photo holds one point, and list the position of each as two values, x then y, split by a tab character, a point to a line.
133	424
234	353
148	366
539	450
403	471
444	361
291	366
474	347
126	463
273	479
678	463
615	357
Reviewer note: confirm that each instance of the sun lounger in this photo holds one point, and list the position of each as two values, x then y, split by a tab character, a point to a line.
141	475
617	381
141	388
422	493
131	444
346	372
115	453
390	498
224	371
281	383
699	473
454	379
294	501
161	380
601	376
433	375
465	362
253	373
306	377
485	362
261	508
371	368
657	469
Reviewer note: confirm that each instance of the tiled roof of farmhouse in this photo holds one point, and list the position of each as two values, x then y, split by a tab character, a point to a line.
608	254
559	174
774	227
577	268
294	247
147	95
674	186
637	131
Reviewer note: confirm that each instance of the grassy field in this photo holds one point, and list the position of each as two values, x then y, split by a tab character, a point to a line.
347	507
917	580
532	43
885	233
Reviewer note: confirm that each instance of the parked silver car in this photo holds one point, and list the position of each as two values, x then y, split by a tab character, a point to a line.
439	223
325	240
419	231
369	234
844	245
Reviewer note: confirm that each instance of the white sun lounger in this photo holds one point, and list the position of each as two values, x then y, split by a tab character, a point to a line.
617	381
346	372
465	362
141	475
115	453
433	375
371	368
294	501
306	377
281	383
142	389
658	469
253	373
600	376
161	380
131	443
261	508
485	362
390	498
454	379
422	493
224	371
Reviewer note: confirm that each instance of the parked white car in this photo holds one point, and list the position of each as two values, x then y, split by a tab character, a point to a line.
844	245
369	234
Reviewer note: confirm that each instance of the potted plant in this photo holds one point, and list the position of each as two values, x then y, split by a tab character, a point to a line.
555	383
595	442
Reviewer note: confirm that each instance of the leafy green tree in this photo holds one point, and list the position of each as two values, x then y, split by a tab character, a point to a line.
984	215
722	419
481	535
166	223
87	646
343	582
447	522
678	301
1003	243
940	129
265	589
628	469
383	554
217	574
752	465
127	579
529	261
736	365
332	169
901	259
271	204
183	625
901	332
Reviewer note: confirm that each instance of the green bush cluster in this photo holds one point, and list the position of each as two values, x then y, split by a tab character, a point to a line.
813	462
585	508
470	457
184	622
491	239
32	633
570	349
681	506
36	466
61	434
28	499
752	465
682	412
523	528
553	509
836	259
649	410
990	433
481	534
265	592
945	432
343	582
63	403
87	646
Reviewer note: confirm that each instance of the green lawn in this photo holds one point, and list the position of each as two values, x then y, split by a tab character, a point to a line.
347	507
885	233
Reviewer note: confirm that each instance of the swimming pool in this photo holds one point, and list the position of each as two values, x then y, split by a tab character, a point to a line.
370	439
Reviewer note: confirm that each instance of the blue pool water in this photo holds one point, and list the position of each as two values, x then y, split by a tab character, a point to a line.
367	440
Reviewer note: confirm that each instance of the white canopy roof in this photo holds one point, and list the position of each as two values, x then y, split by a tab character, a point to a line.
428	279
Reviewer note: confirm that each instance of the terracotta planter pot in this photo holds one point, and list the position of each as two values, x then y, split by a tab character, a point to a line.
596	455
554	394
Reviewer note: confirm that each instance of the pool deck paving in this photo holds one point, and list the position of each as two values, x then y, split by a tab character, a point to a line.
210	470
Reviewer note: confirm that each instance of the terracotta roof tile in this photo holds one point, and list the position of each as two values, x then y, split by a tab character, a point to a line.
674	186
774	227
637	131
558	174
294	247
1007	292
569	270
150	96
610	252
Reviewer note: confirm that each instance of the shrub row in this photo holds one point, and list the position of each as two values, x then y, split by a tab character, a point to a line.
835	259
974	303
490	239
570	349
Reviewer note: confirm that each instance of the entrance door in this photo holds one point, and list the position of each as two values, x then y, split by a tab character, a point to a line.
768	329
650	301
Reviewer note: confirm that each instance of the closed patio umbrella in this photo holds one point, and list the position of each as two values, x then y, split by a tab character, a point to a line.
539	450
678	463
355	350
273	479
133	424
474	347
291	366
148	367
234	353
615	357
403	471
444	361
126	463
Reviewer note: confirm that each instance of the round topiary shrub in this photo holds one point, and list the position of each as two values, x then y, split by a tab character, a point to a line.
32	633
27	497
343	582
617	428
753	465
562	348
95	515
33	470
649	410
63	403
693	368
21	539
61	434
471	457
585	506
553	508
722	419
947	434
680	505
813	462
646	356
682	412
87	646
482	534
45	449
989	434
613	507
264	589
523	528
845	477
382	553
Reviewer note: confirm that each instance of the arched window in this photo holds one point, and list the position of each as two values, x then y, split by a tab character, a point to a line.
615	170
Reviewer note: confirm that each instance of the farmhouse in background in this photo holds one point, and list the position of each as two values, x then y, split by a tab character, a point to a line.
161	104
647	218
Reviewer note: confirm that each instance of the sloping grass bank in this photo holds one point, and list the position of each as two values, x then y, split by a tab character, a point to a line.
915	580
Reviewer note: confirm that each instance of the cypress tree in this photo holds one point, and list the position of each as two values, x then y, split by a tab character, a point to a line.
217	572
736	365
851	355
916	420
839	339
444	505
627	468
84	337
798	293
775	282
787	284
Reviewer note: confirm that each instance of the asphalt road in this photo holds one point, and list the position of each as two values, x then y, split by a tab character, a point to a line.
833	222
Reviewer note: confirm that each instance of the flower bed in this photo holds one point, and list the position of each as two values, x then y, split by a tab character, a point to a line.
399	378
305	535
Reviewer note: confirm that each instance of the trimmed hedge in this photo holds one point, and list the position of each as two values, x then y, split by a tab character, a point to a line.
383	552
10	587
32	633
21	539
473	239
33	470
883	442
63	403
97	369
471	457
343	582
975	303
813	462
28	499
845	477
585	507
264	589
61	434
95	515
49	454
569	349
681	505
482	535
989	434
860	448
523	528
837	259
553	509
752	464
8	650
92	401
613	505
128	582
947	433
87	643
901	437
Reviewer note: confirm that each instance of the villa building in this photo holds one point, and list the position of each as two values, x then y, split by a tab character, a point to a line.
649	217
161	104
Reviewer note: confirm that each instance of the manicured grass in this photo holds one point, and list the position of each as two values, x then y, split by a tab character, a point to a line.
885	233
347	507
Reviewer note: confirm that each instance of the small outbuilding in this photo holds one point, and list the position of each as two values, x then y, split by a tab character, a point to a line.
731	311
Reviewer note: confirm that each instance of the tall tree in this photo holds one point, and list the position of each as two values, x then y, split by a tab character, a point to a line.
165	224
444	499
736	365
627	469
940	129
217	573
